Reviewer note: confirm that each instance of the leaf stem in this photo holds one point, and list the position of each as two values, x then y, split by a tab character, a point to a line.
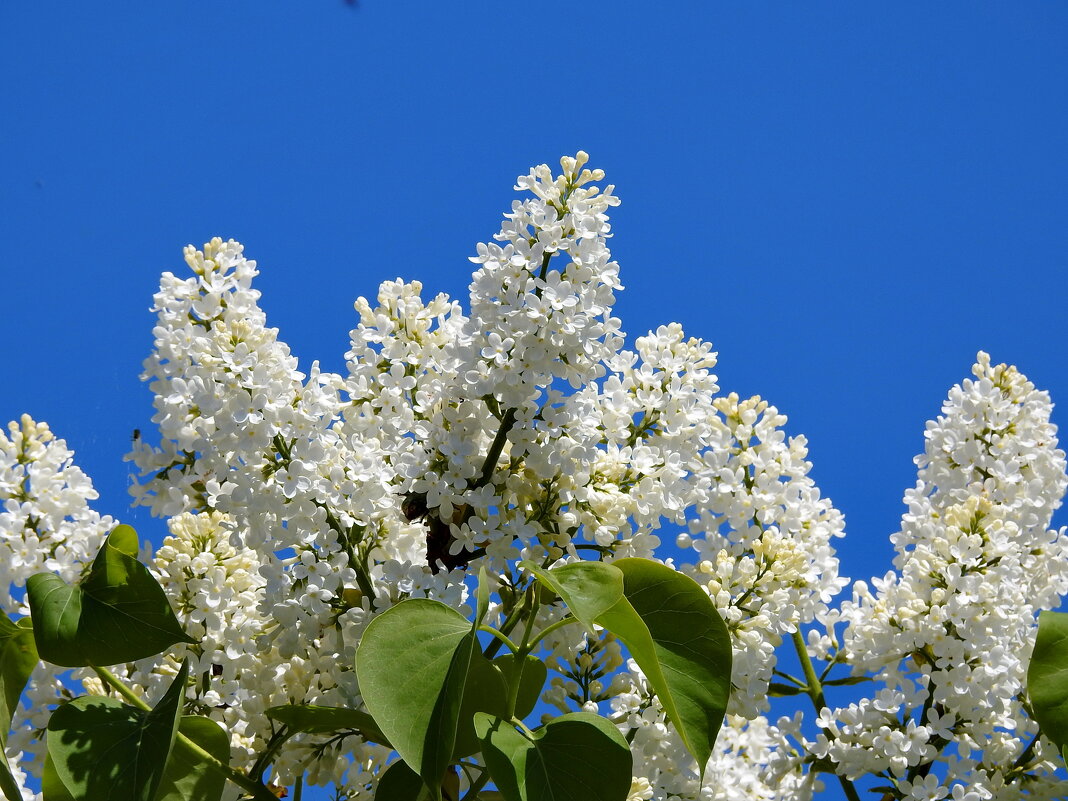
510	623
113	681
501	636
530	603
789	678
257	790
532	612
815	692
494	452
508	420
1021	760
564	621
278	739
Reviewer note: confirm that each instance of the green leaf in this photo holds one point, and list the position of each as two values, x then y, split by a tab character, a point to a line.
322	719
778	689
484	691
588	588
400	783
18	657
845	680
575	757
8	786
118	613
1047	677
51	787
674	633
104	749
530	683
123	538
187	777
412	664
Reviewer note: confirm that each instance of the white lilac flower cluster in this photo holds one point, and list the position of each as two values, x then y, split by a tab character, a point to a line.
302	505
948	633
46	525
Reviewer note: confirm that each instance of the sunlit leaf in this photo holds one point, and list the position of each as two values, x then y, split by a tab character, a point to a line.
412	665
588	588
118	613
1047	677
674	633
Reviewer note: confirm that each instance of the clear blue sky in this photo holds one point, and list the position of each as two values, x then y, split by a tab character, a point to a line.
848	199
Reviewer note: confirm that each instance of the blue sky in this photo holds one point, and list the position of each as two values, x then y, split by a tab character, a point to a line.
848	199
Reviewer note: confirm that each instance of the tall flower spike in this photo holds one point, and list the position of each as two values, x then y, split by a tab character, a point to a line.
46	525
948	632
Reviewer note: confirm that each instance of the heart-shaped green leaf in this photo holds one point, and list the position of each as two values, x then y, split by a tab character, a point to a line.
400	783
1047	677
104	749
674	633
187	777
18	657
412	665
118	613
575	757
588	588
322	719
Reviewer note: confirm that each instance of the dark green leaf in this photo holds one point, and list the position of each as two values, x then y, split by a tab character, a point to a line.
412	664
8	786
400	783
575	757
322	719
1047	677
51	787
18	657
118	613
776	689
530	685
103	749
588	588
846	680
187	777
676	636
484	691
